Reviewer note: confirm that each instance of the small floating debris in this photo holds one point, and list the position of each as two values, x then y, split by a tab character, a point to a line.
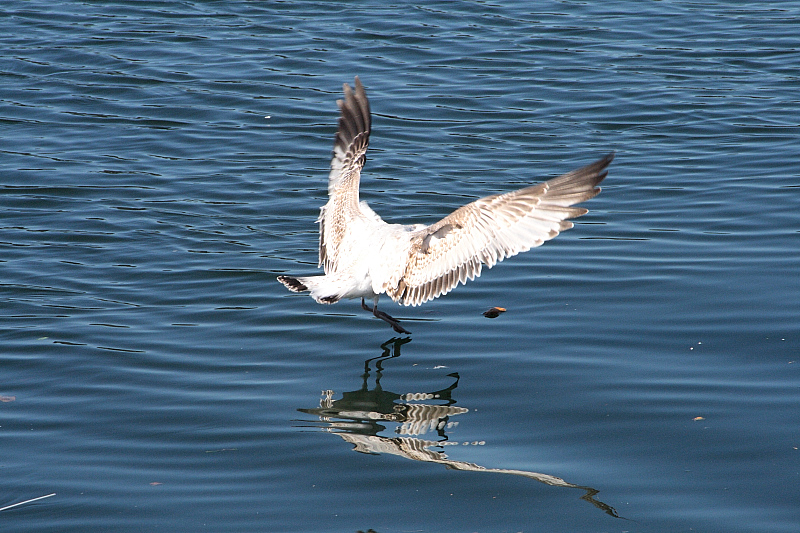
698	418
494	312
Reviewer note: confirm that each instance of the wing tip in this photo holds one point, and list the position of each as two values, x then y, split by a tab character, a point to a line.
354	117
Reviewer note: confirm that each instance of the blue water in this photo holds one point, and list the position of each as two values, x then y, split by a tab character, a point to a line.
162	162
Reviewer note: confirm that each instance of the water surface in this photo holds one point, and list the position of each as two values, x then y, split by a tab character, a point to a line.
162	162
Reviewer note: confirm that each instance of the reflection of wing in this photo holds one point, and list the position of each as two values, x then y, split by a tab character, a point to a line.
349	155
490	229
419	450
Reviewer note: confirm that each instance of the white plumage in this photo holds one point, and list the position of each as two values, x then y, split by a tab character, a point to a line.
365	257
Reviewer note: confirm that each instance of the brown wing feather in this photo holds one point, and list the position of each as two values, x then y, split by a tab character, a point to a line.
490	229
349	155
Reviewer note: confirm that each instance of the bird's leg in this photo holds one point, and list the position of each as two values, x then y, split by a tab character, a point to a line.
384	316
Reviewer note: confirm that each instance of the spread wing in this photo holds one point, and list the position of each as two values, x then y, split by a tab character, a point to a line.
349	155
490	229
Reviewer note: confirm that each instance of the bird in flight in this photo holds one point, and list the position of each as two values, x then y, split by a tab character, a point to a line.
365	257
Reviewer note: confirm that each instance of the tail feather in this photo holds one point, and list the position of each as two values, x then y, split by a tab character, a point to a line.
321	288
293	284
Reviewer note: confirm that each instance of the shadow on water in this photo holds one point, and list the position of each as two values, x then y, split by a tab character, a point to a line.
359	416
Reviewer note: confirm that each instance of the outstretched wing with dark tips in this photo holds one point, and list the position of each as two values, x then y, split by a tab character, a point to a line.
349	155
491	229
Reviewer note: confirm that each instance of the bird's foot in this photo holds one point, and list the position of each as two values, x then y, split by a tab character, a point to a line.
385	317
392	321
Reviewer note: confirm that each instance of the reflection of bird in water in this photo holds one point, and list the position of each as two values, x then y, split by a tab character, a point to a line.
365	257
365	409
359	416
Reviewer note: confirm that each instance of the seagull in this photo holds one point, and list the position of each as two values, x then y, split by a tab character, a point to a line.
364	257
